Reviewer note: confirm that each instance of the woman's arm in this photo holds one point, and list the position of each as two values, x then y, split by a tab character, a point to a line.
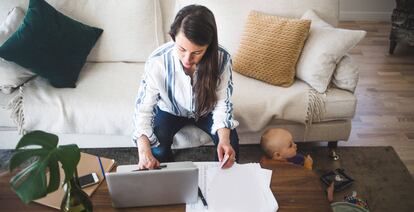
143	135
148	96
223	120
223	111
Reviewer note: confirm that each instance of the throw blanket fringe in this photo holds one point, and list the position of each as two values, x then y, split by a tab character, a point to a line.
16	107
314	111
315	107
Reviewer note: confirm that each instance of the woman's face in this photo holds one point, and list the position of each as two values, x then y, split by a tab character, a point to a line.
189	53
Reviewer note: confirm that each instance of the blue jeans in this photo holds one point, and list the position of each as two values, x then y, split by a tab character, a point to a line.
167	125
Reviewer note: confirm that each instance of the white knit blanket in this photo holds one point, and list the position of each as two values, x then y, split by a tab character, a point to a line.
256	103
103	102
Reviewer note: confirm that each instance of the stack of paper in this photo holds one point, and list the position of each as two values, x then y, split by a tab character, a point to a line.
243	187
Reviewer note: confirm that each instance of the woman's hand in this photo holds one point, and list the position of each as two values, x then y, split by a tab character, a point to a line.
224	148
146	158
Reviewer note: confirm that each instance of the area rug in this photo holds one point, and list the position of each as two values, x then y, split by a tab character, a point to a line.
380	176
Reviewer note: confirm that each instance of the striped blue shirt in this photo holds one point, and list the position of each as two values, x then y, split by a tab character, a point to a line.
166	85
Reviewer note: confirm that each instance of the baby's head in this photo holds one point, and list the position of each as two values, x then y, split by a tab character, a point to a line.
278	144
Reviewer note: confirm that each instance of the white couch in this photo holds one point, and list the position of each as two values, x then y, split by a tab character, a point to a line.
98	113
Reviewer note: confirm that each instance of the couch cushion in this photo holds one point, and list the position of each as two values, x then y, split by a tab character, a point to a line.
323	49
50	44
339	104
132	28
335	123
270	47
169	9
346	74
11	74
274	102
102	102
231	14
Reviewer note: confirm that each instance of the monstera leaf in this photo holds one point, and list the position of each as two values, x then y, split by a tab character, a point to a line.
31	183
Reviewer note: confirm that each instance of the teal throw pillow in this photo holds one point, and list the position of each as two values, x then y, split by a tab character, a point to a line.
51	44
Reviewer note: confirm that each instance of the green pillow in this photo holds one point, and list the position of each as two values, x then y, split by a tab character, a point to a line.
51	44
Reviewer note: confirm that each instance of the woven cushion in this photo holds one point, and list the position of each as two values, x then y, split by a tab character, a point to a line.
270	47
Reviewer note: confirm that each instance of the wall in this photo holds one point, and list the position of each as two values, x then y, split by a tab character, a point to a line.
366	10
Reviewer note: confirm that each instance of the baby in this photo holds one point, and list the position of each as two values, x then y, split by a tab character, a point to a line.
278	145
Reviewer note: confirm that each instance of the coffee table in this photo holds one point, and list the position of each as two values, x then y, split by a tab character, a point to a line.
295	188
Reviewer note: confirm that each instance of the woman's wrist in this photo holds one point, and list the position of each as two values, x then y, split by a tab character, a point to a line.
143	145
143	151
224	141
224	135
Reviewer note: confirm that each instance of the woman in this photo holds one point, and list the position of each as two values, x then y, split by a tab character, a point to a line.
186	81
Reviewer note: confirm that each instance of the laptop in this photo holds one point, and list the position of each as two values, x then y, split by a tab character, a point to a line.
176	183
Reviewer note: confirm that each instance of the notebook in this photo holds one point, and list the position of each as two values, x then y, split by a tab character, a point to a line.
88	163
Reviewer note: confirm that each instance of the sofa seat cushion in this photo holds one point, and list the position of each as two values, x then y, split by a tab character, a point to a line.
257	103
339	108
102	102
339	104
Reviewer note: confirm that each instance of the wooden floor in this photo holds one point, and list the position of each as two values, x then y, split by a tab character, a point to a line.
385	92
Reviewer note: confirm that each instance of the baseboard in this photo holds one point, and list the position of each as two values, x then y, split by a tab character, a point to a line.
364	16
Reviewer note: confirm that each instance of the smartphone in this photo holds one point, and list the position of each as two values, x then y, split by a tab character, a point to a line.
88	180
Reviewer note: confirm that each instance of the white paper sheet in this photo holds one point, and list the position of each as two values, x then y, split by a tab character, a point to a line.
240	188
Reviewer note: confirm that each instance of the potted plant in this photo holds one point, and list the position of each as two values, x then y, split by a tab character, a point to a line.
31	182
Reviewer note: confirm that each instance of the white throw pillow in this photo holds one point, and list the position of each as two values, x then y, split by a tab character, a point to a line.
323	49
11	74
346	74
316	20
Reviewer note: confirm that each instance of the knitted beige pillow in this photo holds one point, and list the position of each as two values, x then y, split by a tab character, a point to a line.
270	47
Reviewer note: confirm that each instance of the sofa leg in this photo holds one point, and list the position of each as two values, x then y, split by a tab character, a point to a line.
332	145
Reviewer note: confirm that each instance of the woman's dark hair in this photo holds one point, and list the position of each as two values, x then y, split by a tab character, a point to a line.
199	26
